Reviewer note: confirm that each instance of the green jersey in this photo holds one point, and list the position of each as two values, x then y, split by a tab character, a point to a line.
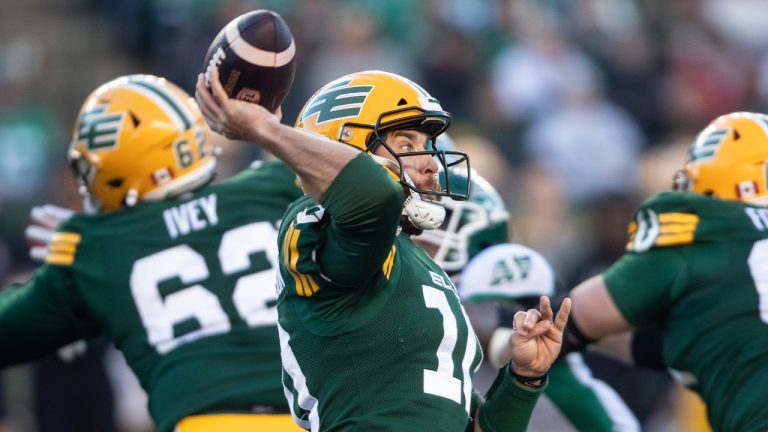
373	335
184	288
698	266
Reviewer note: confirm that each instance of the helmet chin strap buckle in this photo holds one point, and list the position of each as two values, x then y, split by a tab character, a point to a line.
424	214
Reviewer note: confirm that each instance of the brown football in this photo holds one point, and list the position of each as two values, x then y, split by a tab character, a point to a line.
255	55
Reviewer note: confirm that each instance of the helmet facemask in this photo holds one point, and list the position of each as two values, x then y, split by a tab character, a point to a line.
469	226
433	126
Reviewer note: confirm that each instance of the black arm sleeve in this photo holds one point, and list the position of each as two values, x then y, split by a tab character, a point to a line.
573	339
647	348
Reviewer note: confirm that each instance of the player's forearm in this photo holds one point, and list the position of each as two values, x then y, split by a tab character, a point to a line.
508	405
316	160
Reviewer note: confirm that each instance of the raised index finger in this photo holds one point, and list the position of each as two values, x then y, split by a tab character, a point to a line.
562	315
545	307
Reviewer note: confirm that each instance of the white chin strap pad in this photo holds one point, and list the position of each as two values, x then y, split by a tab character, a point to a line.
424	214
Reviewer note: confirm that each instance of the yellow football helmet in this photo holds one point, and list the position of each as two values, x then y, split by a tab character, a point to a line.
358	109
139	138
729	159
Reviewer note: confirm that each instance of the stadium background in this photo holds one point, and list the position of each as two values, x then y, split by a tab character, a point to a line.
574	109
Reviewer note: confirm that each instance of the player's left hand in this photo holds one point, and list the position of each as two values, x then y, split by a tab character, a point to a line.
536	339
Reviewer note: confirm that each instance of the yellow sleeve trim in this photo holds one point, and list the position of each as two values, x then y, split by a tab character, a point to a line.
666	229
305	285
66	237
59	259
389	262
62	249
678	218
677	228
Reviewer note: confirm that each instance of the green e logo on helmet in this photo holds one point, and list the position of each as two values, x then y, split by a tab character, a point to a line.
98	129
707	143
337	101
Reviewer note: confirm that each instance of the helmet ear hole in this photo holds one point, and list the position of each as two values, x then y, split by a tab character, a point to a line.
116	182
134	119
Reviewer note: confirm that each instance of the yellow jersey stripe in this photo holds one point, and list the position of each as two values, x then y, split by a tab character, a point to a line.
311	283
59	259
684	218
676	229
675	239
294	259
304	284
62	247
287	258
66	237
386	268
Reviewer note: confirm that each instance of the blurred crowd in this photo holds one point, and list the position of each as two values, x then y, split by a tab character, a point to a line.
574	109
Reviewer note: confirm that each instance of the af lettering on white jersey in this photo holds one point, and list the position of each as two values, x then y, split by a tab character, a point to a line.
508	270
193	215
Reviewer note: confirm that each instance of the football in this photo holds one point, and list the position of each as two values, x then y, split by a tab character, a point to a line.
254	54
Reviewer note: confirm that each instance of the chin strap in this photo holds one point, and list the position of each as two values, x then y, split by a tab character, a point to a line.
424	214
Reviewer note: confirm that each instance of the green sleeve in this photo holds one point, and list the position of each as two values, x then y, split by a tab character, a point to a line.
364	204
642	284
40	316
508	405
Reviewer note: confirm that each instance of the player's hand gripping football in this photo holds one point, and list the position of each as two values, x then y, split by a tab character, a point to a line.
536	338
235	119
44	220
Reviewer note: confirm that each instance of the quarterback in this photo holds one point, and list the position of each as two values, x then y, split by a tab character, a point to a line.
372	333
177	273
697	265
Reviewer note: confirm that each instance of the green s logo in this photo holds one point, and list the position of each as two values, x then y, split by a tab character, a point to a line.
337	102
98	129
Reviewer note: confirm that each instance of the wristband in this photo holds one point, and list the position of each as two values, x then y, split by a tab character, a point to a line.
528	381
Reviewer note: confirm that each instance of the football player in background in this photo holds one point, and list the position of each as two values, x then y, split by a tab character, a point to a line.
697	266
496	279
373	335
177	273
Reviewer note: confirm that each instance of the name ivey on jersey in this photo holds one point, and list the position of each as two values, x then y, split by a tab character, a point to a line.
193	215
